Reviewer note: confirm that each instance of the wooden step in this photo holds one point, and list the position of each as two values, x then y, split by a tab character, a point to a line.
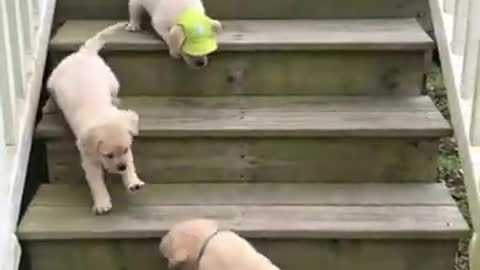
266	35
250	9
270	57
271	139
404	224
276	117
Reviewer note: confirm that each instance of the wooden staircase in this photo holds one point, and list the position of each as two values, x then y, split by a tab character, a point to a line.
309	137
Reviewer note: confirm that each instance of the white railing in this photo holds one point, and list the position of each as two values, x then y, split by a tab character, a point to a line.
457	30
24	31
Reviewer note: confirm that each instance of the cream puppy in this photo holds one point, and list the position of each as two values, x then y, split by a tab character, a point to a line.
182	24
198	244
85	89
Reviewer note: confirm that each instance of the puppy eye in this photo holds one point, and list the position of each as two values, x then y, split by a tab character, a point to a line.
110	156
125	151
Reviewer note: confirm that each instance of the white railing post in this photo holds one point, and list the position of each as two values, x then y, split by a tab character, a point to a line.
28	29
460	26
449	6
474	120
35	15
17	45
470	60
27	23
7	86
4	188
474	251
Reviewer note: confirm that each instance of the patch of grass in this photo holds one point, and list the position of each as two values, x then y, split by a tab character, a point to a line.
449	164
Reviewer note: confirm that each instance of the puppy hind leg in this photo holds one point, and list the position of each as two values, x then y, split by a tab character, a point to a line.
102	202
115	85
135	11
116	101
50	106
130	178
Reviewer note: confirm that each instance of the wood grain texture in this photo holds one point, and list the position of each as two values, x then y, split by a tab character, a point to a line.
277	73
250	9
276	117
265	160
249	194
287	254
307	222
332	57
64	212
266	35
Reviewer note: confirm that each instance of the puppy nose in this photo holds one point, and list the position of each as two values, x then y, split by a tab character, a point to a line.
121	167
200	62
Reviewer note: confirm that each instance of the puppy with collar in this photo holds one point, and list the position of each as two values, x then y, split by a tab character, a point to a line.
198	244
183	25
85	89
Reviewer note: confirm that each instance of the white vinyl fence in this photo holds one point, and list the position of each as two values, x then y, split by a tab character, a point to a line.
24	31
457	30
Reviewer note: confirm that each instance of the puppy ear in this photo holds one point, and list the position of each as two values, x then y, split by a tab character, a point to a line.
89	142
131	119
216	26
176	37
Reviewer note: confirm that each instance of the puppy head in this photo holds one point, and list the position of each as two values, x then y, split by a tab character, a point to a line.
110	143
182	244
194	42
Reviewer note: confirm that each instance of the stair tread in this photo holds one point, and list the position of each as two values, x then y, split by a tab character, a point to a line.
276	117
343	211
241	35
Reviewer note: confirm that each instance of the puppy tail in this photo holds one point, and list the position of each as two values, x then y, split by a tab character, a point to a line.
96	43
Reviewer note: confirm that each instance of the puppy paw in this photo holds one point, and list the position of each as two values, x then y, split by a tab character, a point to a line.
174	54
133	27
102	207
137	185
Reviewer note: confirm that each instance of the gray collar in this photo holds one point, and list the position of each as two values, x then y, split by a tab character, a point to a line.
204	247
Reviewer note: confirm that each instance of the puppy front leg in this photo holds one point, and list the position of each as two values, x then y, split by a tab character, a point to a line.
135	11
130	178
172	41
116	101
102	202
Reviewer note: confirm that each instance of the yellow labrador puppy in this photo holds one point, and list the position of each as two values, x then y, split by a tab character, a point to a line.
183	24
85	89
198	244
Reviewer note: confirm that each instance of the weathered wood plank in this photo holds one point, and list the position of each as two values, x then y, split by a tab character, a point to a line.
305	222
277	117
255	210
310	73
365	194
269	35
267	159
287	254
378	57
249	9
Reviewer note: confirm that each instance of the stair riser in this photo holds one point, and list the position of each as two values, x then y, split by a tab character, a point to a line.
287	254
282	160
273	9
271	73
